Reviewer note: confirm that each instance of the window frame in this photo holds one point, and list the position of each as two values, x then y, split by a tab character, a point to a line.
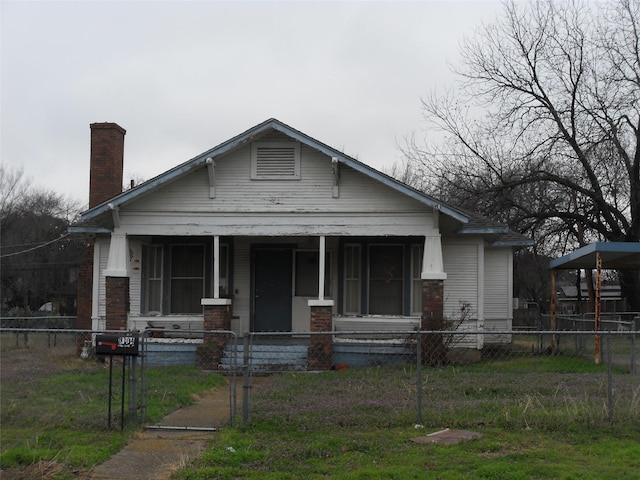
165	247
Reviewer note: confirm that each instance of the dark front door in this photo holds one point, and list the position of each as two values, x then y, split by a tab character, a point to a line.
272	293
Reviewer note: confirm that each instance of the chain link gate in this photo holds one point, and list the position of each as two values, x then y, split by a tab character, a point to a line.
225	342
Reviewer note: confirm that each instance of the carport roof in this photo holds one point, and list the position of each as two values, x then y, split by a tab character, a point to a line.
615	256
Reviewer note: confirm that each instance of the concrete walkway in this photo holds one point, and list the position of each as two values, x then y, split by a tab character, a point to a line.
155	454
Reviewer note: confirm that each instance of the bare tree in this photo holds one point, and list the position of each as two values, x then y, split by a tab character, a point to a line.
38	257
544	130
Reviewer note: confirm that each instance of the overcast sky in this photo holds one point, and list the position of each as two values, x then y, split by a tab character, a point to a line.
182	77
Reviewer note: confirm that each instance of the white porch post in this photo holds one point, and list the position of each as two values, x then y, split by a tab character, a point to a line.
321	267
118	256
432	268
216	266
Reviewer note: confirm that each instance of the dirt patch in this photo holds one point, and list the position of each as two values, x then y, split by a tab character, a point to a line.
447	437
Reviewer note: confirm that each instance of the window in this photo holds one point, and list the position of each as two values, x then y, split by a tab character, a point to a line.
275	161
352	279
385	279
416	279
176	276
152	262
307	274
187	278
382	279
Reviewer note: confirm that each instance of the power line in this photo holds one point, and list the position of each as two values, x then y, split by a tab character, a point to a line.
35	248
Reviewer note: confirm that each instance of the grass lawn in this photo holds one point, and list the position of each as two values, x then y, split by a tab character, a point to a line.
539	419
54	407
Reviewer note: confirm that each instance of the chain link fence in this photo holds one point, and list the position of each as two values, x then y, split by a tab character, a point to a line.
517	378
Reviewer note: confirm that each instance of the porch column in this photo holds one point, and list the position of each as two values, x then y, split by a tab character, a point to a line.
216	266
433	277
117	283
320	355
217	316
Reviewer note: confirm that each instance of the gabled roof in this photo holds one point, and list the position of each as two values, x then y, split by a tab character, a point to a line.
249	136
476	224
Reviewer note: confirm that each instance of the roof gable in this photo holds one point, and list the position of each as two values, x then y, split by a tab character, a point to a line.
467	222
251	135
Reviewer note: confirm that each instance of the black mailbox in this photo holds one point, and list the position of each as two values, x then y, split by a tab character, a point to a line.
125	344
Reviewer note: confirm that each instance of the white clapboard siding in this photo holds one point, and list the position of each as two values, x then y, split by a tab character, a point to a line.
497	283
243	206
102	250
460	262
135	278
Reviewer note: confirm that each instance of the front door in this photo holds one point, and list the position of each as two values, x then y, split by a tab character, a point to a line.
272	292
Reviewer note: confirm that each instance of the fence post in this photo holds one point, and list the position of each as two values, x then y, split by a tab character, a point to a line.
245	379
610	377
419	376
633	354
133	389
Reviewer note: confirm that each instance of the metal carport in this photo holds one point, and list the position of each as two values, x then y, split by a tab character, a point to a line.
598	256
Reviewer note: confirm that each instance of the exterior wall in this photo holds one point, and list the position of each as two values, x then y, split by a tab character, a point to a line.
462	262
135	276
244	207
498	282
102	259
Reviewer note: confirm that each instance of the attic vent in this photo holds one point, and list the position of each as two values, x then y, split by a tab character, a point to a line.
275	160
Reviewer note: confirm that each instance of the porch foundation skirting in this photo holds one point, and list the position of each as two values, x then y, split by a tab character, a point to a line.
117	305
433	348
217	316
321	346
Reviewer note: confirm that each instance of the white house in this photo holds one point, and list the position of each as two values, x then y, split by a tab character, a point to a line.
273	230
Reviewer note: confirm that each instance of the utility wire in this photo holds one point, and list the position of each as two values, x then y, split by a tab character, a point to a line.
35	248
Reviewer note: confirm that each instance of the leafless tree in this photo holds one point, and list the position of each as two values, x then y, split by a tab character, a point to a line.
543	130
37	255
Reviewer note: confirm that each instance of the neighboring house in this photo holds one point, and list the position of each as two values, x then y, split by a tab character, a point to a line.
273	230
569	302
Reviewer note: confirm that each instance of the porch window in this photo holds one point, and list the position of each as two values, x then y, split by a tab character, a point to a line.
187	278
352	273
175	277
385	279
416	279
152	261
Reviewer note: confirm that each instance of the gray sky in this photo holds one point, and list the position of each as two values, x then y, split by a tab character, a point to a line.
182	77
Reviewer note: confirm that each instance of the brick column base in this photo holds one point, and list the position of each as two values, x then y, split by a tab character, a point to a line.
216	317
320	355
117	304
434	351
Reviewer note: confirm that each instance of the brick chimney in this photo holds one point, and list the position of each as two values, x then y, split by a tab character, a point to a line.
107	155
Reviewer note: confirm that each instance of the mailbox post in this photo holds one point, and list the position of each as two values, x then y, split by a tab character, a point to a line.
124	345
